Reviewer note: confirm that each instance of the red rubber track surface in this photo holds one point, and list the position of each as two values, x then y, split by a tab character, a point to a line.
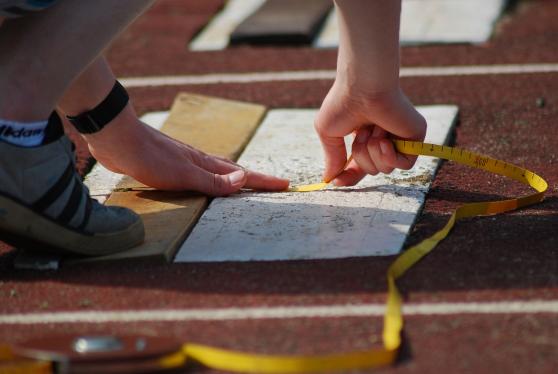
156	44
456	344
507	257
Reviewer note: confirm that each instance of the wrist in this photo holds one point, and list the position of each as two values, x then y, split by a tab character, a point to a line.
363	93
364	77
123	138
124	127
95	119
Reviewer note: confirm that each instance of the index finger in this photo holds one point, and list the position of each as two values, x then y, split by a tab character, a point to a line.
265	182
255	180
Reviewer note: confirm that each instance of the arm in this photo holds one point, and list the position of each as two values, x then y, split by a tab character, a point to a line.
148	155
366	98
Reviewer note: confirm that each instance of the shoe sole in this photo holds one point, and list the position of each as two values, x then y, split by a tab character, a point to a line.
21	226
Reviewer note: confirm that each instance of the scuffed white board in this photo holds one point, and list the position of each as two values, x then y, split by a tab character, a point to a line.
449	21
215	35
434	21
422	22
372	218
101	181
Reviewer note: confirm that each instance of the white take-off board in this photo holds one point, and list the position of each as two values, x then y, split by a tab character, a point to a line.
434	21
215	35
372	218
422	22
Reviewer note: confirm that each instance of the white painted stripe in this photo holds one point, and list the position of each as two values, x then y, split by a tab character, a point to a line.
306	75
178	80
281	312
478	70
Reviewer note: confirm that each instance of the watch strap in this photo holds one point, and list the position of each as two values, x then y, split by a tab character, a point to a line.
97	118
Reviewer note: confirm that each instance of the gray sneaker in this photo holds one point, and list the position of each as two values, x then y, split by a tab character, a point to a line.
44	204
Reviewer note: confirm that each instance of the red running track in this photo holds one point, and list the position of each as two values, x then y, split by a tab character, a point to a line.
512	257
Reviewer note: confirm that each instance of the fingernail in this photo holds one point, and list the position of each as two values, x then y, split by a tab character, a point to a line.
362	136
384	147
236	178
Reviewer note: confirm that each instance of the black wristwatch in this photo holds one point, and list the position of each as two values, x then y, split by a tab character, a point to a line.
95	119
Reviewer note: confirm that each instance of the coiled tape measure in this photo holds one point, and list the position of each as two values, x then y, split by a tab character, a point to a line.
135	354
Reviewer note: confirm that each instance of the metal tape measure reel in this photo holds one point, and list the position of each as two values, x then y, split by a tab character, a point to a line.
105	354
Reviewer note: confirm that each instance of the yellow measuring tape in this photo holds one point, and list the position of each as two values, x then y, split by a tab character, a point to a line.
10	364
393	318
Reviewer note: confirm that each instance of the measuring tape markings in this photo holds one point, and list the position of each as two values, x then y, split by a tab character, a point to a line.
393	318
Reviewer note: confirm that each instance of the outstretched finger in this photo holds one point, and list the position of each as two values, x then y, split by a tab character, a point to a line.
214	184
265	182
254	180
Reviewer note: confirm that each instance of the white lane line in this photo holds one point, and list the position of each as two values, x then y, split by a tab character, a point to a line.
329	311
177	80
285	76
434	71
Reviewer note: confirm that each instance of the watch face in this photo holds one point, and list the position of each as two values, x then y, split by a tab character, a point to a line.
105	353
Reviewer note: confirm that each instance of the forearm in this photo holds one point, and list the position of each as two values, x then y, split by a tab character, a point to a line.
88	89
368	56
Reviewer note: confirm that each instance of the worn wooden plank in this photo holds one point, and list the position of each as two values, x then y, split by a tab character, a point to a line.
283	22
168	218
216	126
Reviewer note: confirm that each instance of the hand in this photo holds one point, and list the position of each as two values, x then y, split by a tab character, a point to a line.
130	147
373	119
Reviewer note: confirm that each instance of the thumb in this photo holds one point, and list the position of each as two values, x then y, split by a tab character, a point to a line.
335	156
332	126
220	185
